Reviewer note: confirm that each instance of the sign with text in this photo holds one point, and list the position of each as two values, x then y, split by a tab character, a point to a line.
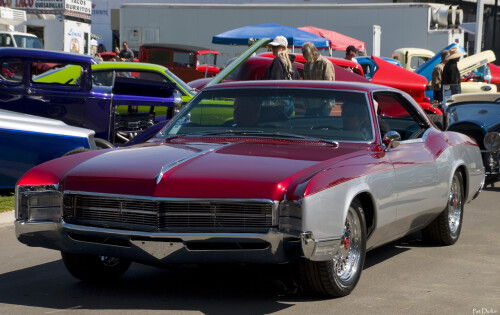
78	8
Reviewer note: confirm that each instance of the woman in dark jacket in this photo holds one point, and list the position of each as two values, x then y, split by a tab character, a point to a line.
451	75
282	67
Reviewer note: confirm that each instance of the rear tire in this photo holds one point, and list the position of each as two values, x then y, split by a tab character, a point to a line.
339	276
94	268
445	229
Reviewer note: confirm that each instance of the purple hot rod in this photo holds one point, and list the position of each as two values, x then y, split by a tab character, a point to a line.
59	85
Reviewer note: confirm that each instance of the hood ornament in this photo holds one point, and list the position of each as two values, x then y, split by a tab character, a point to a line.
167	167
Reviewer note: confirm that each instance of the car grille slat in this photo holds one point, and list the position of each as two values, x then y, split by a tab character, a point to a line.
168	215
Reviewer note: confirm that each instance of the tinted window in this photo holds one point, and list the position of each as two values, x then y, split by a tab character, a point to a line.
11	70
161	57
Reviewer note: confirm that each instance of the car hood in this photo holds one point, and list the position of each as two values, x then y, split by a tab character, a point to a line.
392	75
483	114
255	169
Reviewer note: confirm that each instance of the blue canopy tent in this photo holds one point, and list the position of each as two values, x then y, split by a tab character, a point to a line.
295	37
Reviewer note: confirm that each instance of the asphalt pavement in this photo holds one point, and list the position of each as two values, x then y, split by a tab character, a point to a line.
6	217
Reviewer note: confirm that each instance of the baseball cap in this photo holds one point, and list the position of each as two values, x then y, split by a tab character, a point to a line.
93	42
279	41
351	48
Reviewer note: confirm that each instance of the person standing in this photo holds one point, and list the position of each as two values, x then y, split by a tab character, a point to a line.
126	54
317	67
93	50
350	53
117	54
282	67
437	77
451	74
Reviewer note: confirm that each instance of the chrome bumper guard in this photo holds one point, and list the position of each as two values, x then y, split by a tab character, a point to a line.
318	249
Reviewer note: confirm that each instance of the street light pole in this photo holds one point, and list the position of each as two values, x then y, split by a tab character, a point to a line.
479	26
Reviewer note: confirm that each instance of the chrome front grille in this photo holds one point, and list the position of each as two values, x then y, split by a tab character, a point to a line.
168	215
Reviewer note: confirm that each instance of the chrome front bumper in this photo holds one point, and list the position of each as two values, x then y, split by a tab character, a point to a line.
156	248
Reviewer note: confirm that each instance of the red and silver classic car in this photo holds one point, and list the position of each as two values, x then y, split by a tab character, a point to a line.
258	172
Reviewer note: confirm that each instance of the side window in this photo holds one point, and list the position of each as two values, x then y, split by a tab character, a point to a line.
161	57
417	62
143	75
6	40
393	114
11	70
184	59
103	78
152	76
62	74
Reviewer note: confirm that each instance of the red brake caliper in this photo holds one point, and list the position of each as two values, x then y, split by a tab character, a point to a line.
346	243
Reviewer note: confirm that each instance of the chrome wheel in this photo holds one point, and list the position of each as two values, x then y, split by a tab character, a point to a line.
445	229
346	261
455	205
338	276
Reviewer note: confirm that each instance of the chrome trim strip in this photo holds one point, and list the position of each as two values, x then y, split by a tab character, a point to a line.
120	196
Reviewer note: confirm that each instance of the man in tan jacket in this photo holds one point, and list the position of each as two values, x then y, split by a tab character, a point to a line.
437	77
317	67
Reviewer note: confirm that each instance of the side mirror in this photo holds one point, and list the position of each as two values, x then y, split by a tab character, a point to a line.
391	140
177	101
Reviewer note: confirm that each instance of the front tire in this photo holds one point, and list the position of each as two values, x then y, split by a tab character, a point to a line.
339	276
445	229
95	268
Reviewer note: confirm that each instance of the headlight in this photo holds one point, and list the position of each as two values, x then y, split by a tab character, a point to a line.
38	203
290	216
492	141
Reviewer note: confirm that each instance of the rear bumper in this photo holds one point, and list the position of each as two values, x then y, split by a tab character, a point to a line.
165	248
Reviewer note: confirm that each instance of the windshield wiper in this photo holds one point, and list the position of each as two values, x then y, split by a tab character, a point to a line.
296	136
253	133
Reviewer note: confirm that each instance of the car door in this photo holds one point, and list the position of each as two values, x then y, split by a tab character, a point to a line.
416	175
58	90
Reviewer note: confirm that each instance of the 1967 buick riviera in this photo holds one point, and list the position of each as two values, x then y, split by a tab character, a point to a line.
258	172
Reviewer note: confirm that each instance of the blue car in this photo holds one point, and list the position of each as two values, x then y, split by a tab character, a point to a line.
26	141
478	116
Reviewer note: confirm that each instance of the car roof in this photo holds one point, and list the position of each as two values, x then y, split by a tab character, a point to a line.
55	56
128	65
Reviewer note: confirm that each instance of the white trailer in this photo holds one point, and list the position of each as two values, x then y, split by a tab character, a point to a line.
401	24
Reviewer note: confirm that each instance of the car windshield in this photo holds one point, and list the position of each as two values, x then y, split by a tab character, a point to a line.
322	114
27	41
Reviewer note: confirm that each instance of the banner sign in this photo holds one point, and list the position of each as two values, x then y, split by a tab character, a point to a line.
78	8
